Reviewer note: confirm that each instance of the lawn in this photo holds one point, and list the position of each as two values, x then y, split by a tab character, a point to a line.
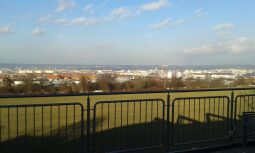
194	119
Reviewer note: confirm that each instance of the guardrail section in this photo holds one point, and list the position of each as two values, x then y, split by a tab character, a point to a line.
41	128
197	120
243	103
127	125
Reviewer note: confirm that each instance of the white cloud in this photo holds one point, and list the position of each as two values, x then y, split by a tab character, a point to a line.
88	8
179	21
62	21
224	26
83	21
199	12
241	45
6	30
38	31
45	19
205	49
236	46
64	5
119	13
115	14
167	22
162	24
156	5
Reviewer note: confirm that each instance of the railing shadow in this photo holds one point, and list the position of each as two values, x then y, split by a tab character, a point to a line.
152	134
189	133
69	140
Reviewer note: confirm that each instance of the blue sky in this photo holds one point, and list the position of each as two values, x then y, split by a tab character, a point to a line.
173	32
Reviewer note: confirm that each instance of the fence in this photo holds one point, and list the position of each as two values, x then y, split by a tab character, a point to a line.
248	127
41	127
158	121
201	113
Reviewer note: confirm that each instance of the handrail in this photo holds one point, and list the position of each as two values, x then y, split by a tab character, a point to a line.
125	93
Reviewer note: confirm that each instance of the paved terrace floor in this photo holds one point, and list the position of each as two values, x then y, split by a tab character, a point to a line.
249	149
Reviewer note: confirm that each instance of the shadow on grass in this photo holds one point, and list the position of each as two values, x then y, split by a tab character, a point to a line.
68	139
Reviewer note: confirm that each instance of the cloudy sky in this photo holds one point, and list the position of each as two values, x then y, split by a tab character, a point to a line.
173	32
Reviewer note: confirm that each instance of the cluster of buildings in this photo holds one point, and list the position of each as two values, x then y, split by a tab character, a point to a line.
214	74
57	77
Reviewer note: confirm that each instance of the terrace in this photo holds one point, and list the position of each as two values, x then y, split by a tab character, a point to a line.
201	120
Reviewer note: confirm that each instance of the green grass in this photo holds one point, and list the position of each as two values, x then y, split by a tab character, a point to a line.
192	120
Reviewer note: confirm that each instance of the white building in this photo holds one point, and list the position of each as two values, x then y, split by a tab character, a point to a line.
169	74
104	71
224	76
49	71
178	74
239	72
77	81
38	71
29	71
144	73
17	82
21	71
25	71
187	73
122	79
198	76
163	75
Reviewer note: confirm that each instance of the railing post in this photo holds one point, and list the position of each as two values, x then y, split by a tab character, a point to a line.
245	126
231	132
82	129
88	124
167	124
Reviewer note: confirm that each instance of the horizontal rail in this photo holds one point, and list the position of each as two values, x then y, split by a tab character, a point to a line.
246	95
126	93
200	97
202	141
138	149
249	114
40	105
127	101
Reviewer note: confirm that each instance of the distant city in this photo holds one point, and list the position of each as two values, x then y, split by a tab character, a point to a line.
58	75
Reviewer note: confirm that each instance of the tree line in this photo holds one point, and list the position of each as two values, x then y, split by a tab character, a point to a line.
107	83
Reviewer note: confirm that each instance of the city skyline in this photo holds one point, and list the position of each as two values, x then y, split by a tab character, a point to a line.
146	32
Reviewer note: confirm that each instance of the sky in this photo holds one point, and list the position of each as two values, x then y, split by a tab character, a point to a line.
127	32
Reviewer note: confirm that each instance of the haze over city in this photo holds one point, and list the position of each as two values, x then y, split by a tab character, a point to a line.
172	32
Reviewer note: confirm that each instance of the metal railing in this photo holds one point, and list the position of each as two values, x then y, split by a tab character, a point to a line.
41	127
248	125
146	117
170	120
200	114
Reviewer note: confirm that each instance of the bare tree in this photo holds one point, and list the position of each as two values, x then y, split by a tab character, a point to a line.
7	84
83	84
28	84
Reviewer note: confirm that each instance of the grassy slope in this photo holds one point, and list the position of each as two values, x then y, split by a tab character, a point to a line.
114	120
